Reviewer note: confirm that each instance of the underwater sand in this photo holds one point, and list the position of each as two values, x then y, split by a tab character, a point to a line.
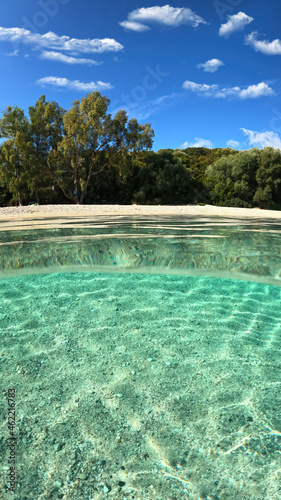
138	386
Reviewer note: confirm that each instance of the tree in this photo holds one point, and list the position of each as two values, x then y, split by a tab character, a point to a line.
46	131
93	139
24	154
161	178
12	122
232	179
268	176
14	127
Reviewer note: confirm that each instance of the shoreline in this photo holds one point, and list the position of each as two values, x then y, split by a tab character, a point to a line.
44	211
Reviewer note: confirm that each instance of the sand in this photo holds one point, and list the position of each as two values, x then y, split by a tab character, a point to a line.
44	211
141	387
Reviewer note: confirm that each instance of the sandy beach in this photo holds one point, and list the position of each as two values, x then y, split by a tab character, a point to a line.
45	211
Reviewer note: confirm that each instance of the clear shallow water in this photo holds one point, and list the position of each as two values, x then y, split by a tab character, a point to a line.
220	247
167	383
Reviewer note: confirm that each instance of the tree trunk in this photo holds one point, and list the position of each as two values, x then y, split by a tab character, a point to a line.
85	190
75	180
83	195
37	196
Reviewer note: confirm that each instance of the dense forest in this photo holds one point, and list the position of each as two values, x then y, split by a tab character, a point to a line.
84	155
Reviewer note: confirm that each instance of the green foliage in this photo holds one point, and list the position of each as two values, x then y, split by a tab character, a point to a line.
161	179
93	140
268	177
52	154
24	155
250	178
46	132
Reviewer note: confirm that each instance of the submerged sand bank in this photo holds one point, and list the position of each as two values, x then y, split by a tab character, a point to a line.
44	211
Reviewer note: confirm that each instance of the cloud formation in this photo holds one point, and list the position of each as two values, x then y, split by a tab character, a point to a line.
11	54
269	48
59	57
143	110
251	92
263	139
73	84
211	66
168	16
52	41
133	26
254	91
237	22
233	144
199	87
199	143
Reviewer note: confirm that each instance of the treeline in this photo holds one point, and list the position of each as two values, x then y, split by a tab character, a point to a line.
84	155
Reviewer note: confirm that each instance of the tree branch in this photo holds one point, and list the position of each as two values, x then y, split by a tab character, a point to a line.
105	165
63	190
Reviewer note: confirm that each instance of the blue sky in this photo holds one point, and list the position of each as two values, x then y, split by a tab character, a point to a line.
202	72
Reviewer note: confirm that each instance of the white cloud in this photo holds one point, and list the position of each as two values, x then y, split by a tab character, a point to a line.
263	139
233	144
73	84
133	26
269	48
143	110
211	66
255	91
199	143
58	56
237	22
199	87
11	54
251	92
52	41
167	15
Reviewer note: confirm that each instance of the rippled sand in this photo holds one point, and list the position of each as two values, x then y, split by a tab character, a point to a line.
143	386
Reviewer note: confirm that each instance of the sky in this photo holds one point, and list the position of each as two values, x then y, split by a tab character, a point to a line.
201	72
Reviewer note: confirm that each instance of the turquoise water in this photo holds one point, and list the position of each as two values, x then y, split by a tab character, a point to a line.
141	378
248	249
